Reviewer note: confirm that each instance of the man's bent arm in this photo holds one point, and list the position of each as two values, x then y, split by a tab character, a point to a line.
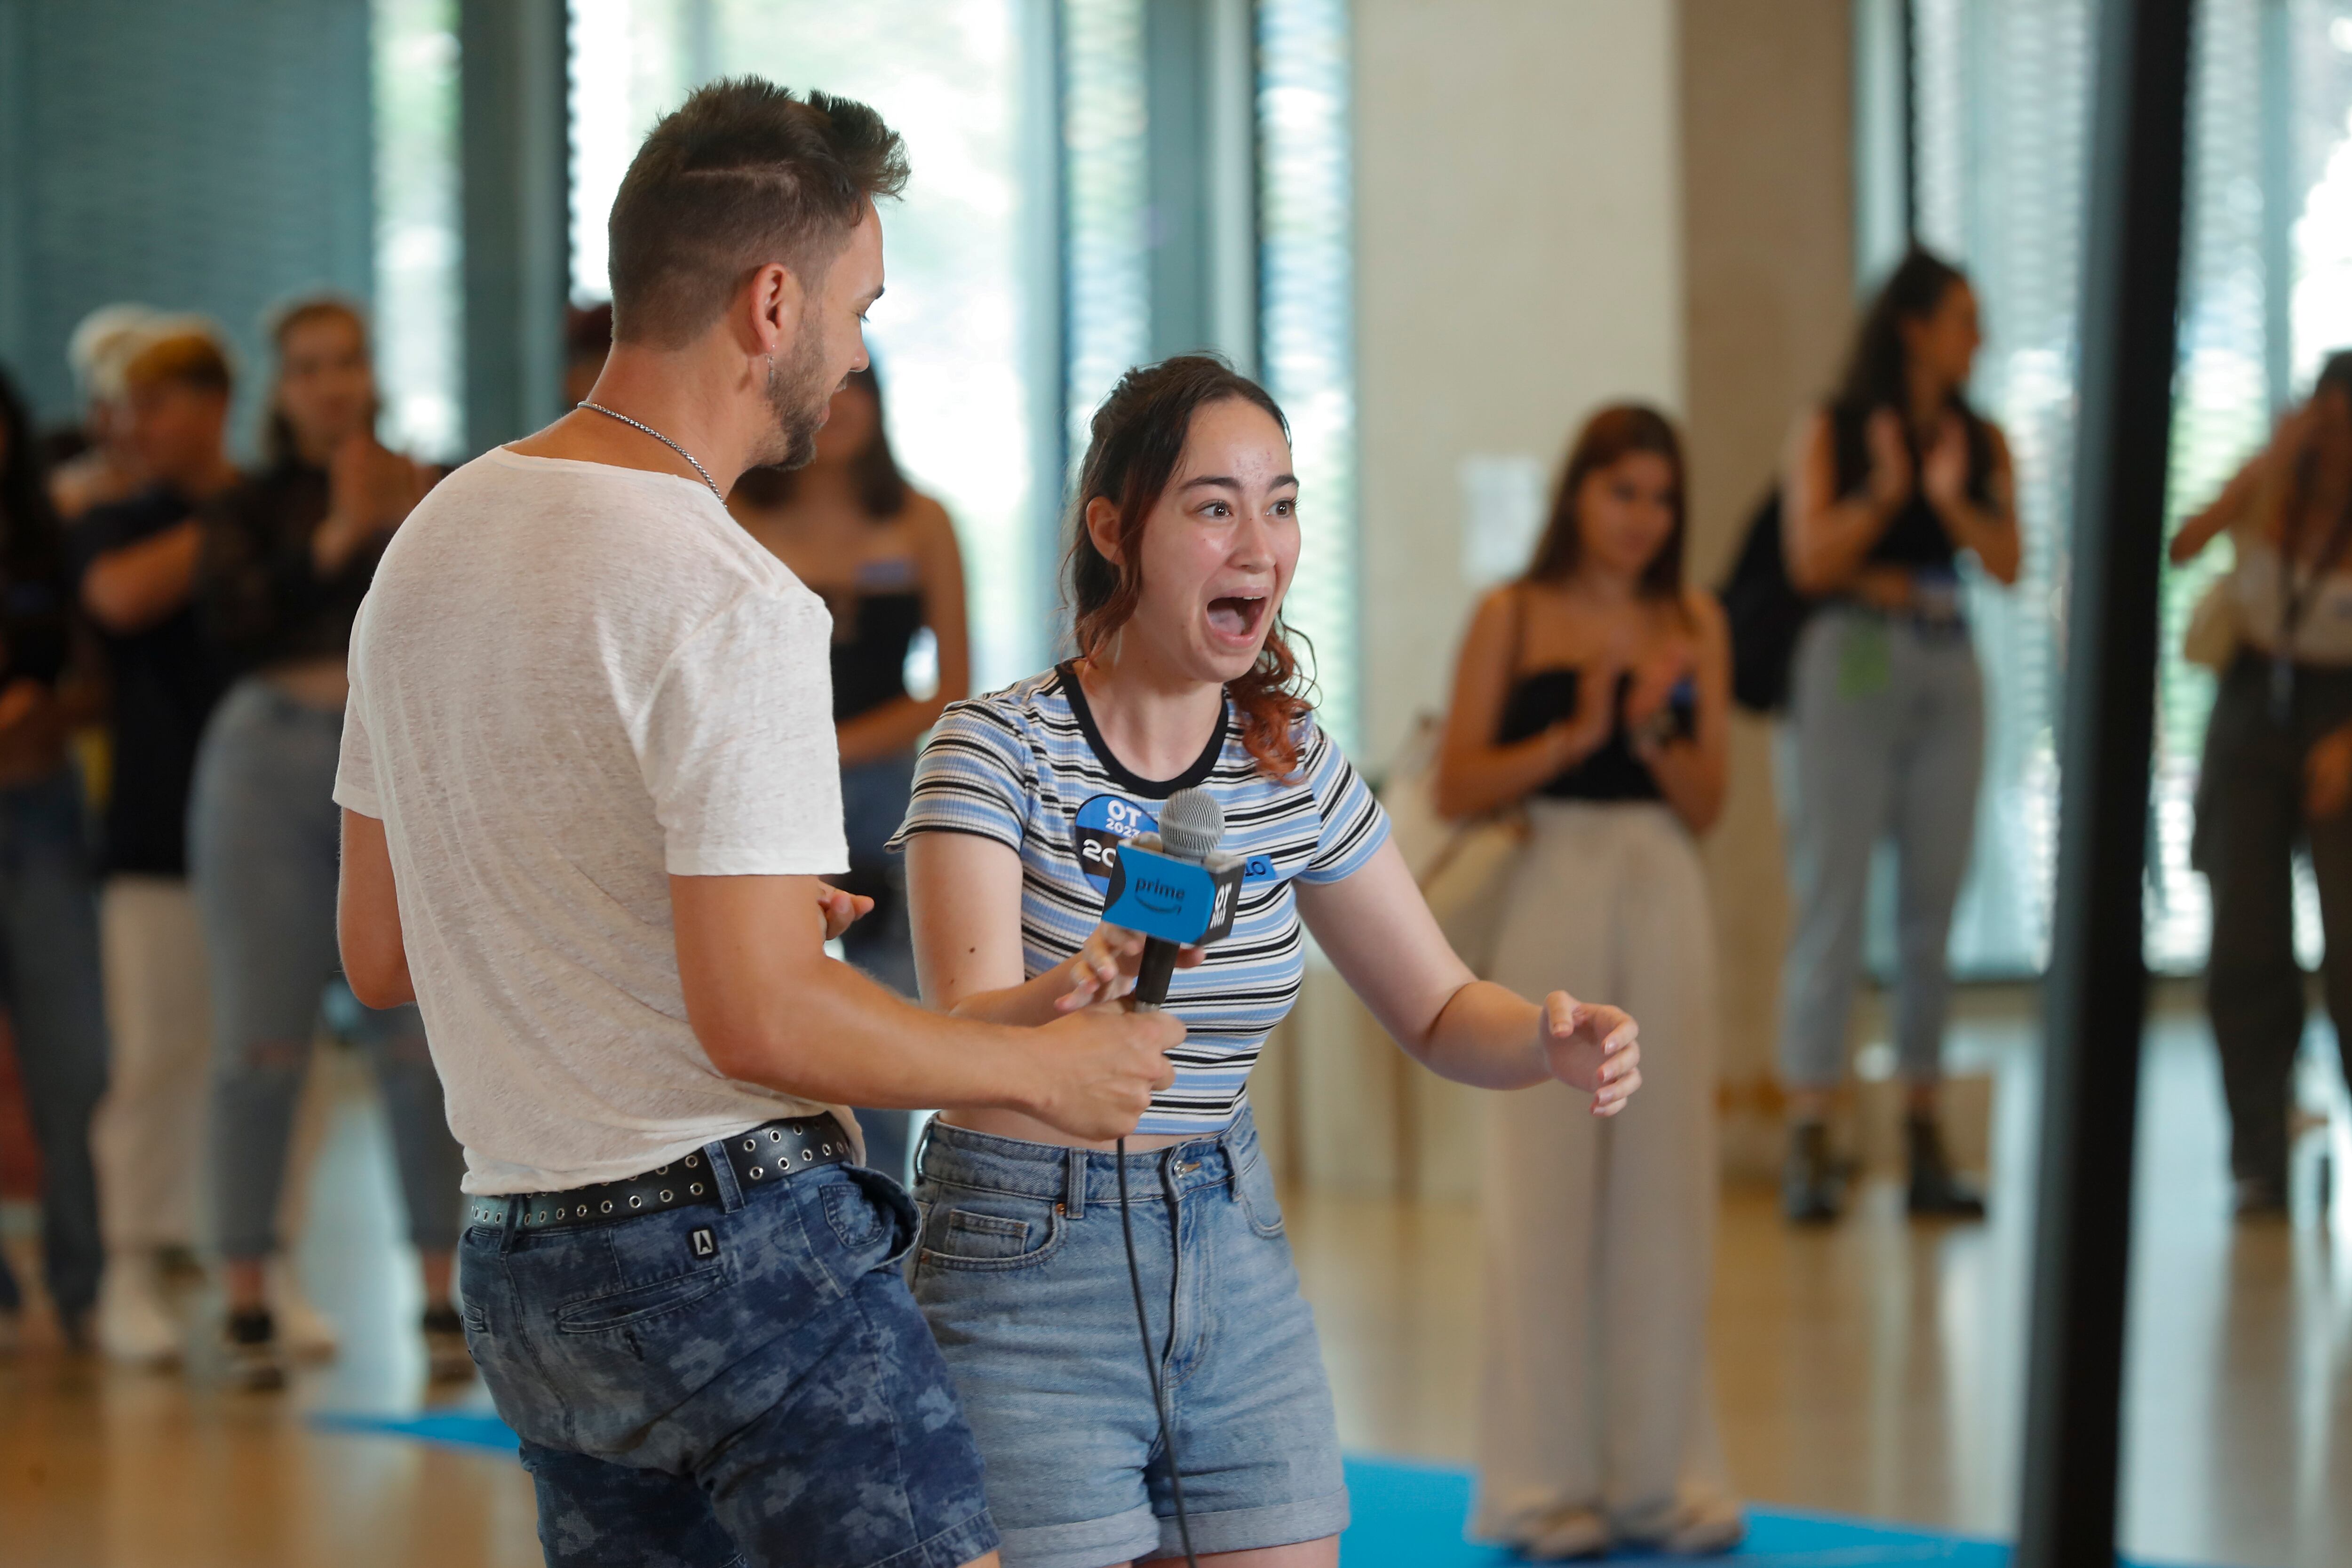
367	918
772	1008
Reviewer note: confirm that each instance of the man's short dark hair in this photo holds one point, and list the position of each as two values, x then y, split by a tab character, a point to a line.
743	174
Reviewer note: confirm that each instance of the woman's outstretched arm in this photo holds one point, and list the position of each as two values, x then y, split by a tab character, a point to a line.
1385	943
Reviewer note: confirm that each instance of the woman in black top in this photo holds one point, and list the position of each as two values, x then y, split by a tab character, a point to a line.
1593	693
286	558
884	556
48	906
1884	489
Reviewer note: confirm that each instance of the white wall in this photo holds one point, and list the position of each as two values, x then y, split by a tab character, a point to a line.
1518	261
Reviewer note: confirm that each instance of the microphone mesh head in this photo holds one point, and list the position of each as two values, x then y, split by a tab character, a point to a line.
1191	824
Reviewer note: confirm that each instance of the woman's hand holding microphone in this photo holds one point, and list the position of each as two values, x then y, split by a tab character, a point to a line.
1104	969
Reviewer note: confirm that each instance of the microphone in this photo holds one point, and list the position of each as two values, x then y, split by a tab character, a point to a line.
1175	887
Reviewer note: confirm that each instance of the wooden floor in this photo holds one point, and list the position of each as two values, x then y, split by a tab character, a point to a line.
1874	1369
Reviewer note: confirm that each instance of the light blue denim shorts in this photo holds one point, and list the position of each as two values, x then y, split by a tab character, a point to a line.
1022	1273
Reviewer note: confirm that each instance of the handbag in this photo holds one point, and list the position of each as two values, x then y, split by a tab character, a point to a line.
2216	626
1459	867
1765	612
1463	868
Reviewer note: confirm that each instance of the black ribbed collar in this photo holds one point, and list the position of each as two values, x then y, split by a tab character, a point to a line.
1148	789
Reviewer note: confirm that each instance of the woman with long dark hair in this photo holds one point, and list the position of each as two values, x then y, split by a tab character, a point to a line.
2278	767
1884	489
883	556
49	897
1594	694
1185	538
286	558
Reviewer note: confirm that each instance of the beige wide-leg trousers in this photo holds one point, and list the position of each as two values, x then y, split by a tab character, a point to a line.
1600	1234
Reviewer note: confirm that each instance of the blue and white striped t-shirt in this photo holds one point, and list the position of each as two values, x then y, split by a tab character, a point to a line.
1028	767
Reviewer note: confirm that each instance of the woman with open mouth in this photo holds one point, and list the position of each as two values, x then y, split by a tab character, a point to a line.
1184	540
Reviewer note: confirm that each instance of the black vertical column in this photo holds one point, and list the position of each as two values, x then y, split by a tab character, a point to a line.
2096	995
515	160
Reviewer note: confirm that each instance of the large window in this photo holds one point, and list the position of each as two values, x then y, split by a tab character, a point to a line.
418	250
1307	315
949	336
2001	119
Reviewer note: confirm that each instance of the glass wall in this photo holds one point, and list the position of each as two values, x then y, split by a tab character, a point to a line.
419	250
1306	319
1019	262
949	337
2001	114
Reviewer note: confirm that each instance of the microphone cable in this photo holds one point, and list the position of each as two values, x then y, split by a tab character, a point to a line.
1151	1361
1191	824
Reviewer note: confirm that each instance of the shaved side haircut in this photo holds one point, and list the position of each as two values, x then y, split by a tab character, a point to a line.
743	174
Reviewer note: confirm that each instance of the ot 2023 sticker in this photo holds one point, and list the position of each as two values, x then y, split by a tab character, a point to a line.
1106	821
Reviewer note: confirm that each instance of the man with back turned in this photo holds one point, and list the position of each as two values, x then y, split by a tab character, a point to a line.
588	786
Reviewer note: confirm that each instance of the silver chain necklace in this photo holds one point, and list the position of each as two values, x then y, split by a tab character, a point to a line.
665	440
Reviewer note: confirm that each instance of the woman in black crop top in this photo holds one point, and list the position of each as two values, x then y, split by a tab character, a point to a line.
284	561
883	555
1593	692
1884	489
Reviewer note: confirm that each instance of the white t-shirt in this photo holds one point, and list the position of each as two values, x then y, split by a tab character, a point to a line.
568	681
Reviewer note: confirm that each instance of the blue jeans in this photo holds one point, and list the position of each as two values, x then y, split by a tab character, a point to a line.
263	847
1885	737
745	1383
1022	1274
873	803
49	981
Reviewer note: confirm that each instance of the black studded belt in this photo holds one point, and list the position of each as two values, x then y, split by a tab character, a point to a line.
769	1151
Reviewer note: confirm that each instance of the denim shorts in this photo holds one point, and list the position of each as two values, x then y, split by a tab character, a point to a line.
1021	1272
748	1383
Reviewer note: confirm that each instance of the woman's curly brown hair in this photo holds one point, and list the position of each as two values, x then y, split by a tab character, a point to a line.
1139	438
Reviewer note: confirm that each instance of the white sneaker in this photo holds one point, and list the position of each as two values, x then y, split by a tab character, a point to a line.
135	1326
303	1330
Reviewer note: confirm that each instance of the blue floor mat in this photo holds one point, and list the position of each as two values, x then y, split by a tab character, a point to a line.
1409	1515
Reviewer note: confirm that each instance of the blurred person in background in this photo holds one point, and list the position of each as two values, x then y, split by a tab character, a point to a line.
1884	490
2277	768
135	563
48	908
1593	693
883	556
107	466
587	340
286	559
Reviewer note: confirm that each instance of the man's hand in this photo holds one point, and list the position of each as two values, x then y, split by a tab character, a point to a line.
1098	1068
1104	970
842	909
1592	1047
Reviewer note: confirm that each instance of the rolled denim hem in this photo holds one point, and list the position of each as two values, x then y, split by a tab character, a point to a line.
1256	1528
